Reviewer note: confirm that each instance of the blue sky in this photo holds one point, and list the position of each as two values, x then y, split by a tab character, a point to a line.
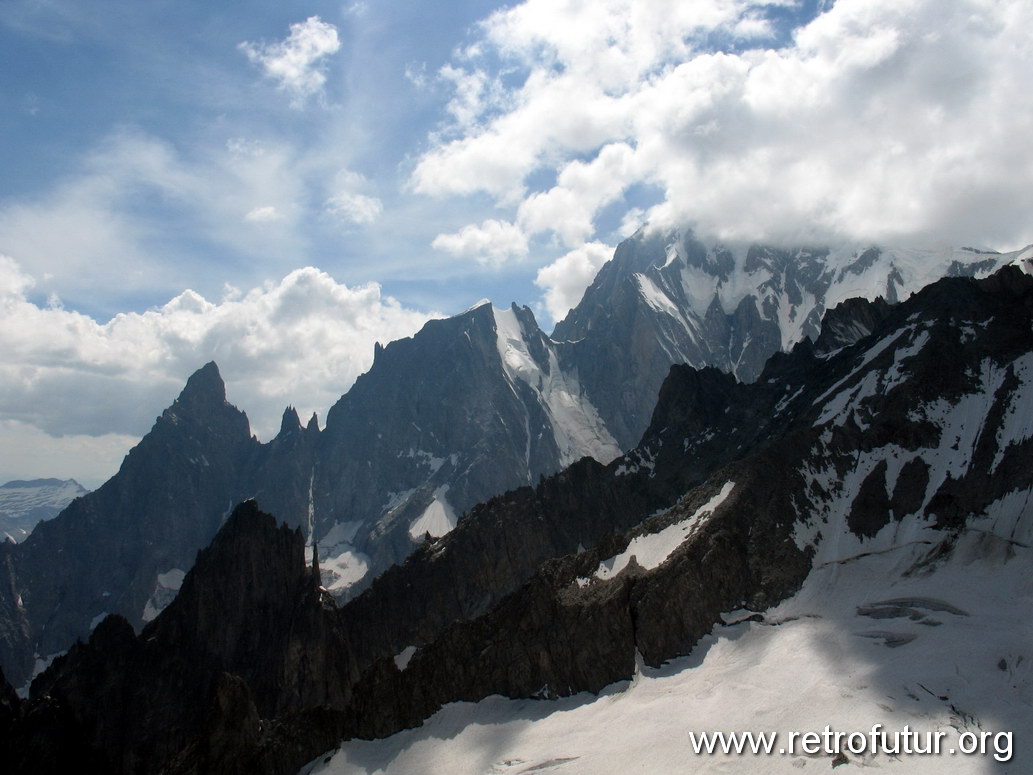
278	185
82	79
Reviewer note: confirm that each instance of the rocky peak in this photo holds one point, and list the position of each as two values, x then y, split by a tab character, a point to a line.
290	422
252	564
668	298
204	389
248	637
1011	281
201	410
849	322
117	543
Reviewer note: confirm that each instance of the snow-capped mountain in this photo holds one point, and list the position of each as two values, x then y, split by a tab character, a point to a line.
25	503
588	390
865	504
871	513
670	298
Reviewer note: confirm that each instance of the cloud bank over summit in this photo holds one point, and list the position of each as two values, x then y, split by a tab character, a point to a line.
877	120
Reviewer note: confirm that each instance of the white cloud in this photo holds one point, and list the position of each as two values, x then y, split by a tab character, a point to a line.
474	94
348	204
297	63
569	207
357	208
886	120
493	242
633	220
300	341
566	279
265	214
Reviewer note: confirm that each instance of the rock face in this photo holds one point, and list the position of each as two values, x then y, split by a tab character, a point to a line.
23	504
16	652
736	493
471	406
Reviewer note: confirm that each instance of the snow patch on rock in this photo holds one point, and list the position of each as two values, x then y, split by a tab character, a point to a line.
652	550
166	586
577	428
438	519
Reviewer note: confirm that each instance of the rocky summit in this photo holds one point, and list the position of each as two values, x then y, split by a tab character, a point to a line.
903	439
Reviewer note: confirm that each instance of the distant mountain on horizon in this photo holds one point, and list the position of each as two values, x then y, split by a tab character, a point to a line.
26	502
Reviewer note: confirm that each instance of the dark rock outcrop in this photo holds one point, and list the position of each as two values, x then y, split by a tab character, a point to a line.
849	322
249	637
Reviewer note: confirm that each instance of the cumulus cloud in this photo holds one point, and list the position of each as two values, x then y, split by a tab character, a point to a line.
883	120
300	341
566	279
492	242
582	189
297	63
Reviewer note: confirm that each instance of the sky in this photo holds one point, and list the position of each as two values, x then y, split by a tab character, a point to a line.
277	186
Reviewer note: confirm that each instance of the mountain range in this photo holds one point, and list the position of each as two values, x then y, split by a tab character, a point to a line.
469	407
865	492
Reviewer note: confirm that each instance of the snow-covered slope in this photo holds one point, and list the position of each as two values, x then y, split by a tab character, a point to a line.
862	643
576	426
25	503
